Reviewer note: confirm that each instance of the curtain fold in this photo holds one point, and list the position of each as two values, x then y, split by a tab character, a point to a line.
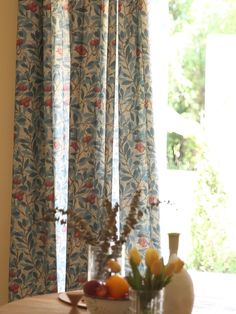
93	57
32	251
137	169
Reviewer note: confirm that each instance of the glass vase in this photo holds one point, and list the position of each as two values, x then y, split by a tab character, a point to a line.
97	260
146	302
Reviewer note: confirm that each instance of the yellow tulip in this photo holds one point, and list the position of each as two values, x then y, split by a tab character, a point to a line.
178	265
134	256
114	266
156	267
151	256
170	269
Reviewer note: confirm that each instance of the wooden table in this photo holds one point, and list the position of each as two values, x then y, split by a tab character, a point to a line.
43	304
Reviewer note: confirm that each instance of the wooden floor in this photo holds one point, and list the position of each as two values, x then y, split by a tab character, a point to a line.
215	293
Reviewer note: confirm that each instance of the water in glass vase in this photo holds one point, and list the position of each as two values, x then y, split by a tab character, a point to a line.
146	301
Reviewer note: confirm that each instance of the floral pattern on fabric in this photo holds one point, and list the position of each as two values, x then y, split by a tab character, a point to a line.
93	65
33	254
93	48
66	98
136	135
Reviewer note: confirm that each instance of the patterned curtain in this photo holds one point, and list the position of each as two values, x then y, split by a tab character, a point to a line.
94	52
93	55
32	259
137	168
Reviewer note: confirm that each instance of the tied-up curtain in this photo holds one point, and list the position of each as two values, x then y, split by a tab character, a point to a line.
32	251
100	49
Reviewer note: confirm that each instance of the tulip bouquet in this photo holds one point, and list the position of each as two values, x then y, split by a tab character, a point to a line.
156	275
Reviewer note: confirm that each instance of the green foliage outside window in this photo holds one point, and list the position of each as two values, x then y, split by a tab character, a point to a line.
209	238
183	153
191	21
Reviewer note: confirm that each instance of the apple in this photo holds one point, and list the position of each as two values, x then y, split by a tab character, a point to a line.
102	291
90	287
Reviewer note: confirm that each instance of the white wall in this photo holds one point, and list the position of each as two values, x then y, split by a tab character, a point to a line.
8	17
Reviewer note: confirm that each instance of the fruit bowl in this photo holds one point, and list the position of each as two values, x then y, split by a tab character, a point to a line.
109	297
107	305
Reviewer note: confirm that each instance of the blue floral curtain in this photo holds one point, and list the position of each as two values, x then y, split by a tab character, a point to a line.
107	35
137	169
81	67
33	251
93	56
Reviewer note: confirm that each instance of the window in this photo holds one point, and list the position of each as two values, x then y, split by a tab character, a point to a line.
193	69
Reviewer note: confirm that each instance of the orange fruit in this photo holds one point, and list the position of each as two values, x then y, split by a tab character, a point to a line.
117	286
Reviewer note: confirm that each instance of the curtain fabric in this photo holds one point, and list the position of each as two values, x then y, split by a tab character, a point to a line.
81	44
95	28
137	170
32	251
93	56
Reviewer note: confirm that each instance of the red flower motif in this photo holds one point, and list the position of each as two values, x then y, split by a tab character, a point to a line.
77	234
32	7
103	7
91	198
88	185
81	50
47	88
25	102
43	238
12	274
74	145
22	87
138	52
48	183
59	50
66	7
86	138
97	89
140	147
16	181
146	103
19	41
82	279
48	103
113	42
140	6
66	88
19	195
56	145
152	200
14	287
48	7
142	241
52	277
50	197
98	103
94	42
120	6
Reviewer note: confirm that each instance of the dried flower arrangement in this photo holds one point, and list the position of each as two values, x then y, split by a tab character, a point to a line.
108	240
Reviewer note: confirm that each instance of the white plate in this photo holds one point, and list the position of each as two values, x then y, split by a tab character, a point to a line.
63	297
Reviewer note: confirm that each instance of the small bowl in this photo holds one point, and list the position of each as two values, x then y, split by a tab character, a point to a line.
107	306
74	296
